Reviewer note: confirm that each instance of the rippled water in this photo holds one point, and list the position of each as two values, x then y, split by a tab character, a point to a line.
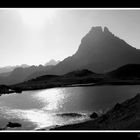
38	109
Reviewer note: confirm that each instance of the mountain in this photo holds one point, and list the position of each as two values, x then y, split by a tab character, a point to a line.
23	66
52	62
39	72
8	69
100	51
20	74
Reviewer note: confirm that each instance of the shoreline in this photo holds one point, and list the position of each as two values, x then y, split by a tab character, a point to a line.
113	83
85	85
85	124
122	116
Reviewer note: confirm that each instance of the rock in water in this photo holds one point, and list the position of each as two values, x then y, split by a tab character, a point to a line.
10	124
94	115
70	115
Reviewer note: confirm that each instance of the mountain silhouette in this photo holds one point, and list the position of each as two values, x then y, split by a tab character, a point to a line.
100	51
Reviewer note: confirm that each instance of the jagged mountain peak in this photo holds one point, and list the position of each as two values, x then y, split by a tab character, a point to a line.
101	51
96	29
97	33
99	30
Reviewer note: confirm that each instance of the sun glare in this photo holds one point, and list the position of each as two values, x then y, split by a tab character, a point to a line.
36	17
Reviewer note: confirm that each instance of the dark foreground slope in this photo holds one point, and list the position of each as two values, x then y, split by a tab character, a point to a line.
124	116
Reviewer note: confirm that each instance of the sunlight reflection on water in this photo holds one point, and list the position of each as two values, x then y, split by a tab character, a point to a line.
50	102
51	98
40	108
40	118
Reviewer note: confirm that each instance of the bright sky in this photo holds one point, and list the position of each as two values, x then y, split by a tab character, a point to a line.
34	36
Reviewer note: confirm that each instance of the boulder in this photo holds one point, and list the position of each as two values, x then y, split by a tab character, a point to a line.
10	124
94	115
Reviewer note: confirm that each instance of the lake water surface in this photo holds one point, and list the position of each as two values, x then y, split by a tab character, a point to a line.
38	109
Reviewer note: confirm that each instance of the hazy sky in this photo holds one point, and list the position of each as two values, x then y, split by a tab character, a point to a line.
34	36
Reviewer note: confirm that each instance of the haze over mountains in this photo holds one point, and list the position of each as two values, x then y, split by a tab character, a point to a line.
11	68
100	51
8	69
52	62
19	73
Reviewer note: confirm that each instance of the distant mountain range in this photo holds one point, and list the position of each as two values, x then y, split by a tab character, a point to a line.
4	71
19	73
100	51
52	62
8	69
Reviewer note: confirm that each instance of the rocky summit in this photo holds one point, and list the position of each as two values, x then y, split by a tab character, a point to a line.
99	51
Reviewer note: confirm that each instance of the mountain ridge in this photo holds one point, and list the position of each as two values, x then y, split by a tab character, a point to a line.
100	51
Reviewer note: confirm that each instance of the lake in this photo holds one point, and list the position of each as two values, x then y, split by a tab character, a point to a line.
40	108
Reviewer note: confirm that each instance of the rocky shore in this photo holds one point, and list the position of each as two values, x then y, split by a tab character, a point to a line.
123	116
